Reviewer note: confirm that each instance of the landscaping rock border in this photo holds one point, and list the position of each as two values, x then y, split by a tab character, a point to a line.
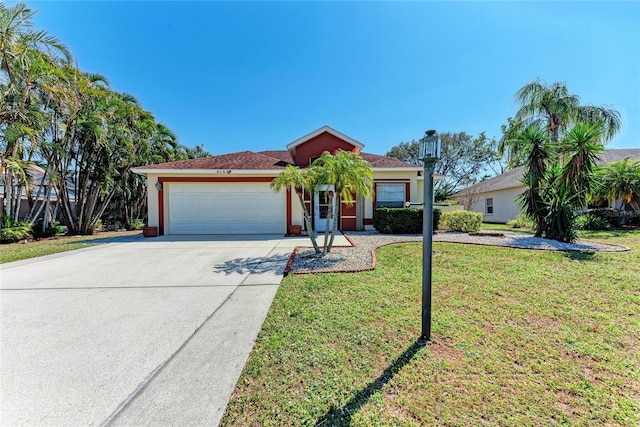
361	256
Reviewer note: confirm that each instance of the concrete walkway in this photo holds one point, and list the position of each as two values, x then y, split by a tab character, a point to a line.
135	331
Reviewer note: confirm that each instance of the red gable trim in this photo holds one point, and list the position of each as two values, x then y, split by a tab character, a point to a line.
305	153
323	129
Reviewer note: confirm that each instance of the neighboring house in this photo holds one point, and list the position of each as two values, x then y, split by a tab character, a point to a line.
39	183
230	193
495	198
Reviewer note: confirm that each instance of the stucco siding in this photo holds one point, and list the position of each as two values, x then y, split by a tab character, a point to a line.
152	201
154	197
505	207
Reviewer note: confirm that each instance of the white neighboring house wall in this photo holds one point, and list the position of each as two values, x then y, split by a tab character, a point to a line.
502	202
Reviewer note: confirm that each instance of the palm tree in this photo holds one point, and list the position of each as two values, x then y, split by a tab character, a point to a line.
350	175
299	180
553	107
620	180
580	148
532	200
27	59
560	211
17	38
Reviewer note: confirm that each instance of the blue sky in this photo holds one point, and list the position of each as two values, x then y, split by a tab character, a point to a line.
239	76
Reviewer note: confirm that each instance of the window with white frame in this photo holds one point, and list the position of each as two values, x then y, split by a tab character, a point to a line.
489	206
390	195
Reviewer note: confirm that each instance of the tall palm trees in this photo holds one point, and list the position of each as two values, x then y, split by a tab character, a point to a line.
555	108
563	139
27	61
85	135
535	142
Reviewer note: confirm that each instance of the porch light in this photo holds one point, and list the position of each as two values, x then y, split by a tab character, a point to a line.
429	154
158	186
429	149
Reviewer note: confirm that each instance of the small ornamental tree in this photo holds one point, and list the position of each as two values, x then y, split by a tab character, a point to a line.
299	180
349	174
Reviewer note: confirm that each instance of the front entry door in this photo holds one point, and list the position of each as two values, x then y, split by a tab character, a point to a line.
321	208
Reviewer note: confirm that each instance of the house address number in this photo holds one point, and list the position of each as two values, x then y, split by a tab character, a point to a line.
226	172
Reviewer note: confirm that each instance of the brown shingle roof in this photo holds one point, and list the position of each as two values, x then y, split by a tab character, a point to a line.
243	160
283	155
376	160
263	160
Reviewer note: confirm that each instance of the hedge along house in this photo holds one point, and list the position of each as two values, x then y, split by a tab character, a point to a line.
231	193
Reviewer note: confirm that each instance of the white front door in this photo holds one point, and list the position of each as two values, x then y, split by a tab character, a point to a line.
321	207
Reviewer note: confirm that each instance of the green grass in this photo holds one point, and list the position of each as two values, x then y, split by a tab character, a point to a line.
504	227
520	337
36	248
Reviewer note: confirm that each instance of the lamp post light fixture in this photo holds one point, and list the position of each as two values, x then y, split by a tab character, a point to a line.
429	153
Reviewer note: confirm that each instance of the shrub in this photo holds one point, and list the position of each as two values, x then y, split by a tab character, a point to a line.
591	222
97	226
465	221
13	231
522	221
53	229
138	224
402	220
612	216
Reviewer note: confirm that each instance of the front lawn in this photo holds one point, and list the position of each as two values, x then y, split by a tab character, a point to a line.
36	248
520	337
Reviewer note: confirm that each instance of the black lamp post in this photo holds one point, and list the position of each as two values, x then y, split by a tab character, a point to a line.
429	154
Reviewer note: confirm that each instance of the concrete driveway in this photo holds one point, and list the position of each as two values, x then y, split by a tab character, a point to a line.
136	331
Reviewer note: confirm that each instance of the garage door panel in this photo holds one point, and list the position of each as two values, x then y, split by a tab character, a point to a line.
215	208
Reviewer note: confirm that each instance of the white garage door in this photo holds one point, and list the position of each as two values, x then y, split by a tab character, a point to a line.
222	208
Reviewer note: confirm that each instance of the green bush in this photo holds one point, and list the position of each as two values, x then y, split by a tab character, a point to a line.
13	231
612	216
402	220
53	229
465	221
97	226
522	221
591	222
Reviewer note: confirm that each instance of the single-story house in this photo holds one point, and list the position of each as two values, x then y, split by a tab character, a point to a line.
39	183
495	198
231	193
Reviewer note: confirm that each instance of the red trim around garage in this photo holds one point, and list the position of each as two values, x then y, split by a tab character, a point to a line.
288	209
164	179
161	211
216	179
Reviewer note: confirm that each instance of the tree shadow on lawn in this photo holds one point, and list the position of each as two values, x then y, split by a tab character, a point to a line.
342	416
579	255
255	265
